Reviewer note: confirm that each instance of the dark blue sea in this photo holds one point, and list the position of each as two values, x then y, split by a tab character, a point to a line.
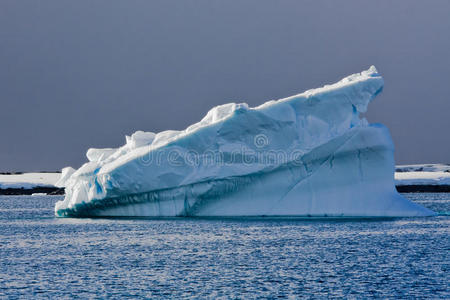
46	257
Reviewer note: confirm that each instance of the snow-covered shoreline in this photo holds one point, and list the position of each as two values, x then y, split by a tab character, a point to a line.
416	177
28	180
422	174
29	183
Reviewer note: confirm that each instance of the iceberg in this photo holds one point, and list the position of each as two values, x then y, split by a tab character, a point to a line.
308	155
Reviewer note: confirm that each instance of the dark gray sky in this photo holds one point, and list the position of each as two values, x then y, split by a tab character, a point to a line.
80	74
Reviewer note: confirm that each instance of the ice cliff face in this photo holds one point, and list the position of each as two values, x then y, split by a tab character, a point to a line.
306	155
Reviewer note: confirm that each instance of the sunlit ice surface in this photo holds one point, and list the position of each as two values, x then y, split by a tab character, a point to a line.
307	155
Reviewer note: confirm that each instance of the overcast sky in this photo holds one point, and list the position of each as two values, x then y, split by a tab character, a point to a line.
80	74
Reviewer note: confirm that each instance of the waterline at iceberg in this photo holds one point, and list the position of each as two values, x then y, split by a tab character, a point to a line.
305	155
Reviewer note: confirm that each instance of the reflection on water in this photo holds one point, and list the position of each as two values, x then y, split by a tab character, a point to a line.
43	256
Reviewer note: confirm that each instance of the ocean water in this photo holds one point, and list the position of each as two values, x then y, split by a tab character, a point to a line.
46	257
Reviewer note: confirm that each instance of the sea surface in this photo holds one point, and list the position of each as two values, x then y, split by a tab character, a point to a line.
46	257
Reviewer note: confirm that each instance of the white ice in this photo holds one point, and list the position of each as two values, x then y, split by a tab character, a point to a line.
305	155
425	174
28	180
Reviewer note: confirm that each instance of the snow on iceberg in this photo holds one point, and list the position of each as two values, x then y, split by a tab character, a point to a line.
305	155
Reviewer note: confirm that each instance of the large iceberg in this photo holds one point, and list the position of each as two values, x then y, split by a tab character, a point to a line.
305	155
